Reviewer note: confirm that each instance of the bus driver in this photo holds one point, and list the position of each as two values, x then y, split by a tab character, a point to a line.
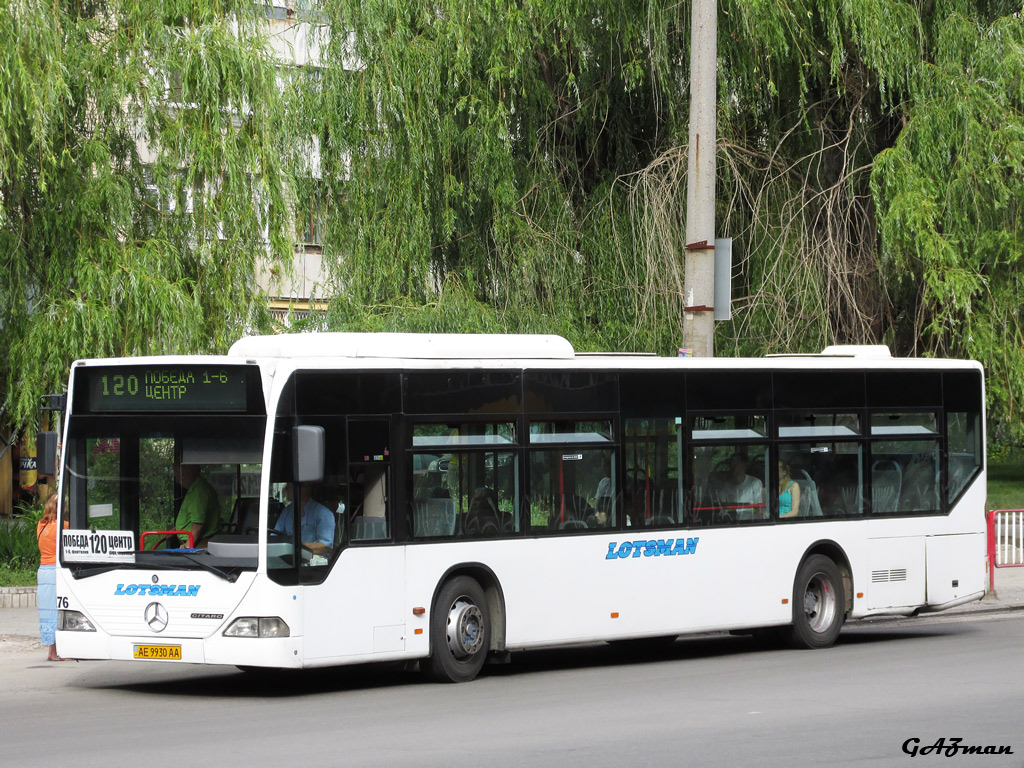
317	522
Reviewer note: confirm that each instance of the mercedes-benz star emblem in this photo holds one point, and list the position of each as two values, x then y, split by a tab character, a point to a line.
156	617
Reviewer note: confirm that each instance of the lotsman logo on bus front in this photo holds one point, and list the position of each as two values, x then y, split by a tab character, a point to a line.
651	548
158	590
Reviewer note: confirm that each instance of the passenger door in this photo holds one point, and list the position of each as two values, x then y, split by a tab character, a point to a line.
359	609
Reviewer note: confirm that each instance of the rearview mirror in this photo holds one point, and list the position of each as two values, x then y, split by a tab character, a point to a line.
307	454
46	453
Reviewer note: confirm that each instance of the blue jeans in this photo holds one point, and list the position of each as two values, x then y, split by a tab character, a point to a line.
46	598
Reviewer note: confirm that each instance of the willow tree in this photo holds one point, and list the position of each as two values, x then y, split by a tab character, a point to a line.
141	183
471	163
482	165
951	204
522	166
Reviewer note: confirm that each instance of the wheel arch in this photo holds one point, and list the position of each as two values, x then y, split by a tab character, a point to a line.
491	586
834	552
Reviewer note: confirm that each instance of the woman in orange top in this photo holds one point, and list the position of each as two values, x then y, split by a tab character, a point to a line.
46	578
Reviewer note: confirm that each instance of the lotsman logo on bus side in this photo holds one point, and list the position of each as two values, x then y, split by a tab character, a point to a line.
158	590
651	548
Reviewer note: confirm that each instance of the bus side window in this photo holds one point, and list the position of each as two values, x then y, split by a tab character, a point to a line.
905	462
369	451
735	490
965	452
371	519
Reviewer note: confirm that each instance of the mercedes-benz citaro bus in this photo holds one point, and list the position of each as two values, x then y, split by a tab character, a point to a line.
323	499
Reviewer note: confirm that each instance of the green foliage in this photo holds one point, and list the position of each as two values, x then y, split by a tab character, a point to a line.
522	168
511	167
950	202
19	550
1006	481
140	174
476	151
17	577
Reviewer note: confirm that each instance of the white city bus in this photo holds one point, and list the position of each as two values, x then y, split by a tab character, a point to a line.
474	495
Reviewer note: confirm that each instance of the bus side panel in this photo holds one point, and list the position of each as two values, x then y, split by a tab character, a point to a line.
896	572
359	609
968	516
584	588
568	589
267	599
956	567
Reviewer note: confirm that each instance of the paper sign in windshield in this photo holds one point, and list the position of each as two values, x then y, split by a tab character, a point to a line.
98	546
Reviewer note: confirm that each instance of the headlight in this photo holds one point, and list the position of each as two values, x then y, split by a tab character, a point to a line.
73	621
252	626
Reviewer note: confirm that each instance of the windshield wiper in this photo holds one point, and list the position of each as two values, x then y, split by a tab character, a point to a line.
168	564
83	573
230	577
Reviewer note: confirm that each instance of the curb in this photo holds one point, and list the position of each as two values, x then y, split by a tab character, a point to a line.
1009	608
18	597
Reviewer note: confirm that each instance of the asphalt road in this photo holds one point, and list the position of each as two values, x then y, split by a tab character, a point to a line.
707	700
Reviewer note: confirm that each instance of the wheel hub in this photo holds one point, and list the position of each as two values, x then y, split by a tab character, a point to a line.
465	629
819	604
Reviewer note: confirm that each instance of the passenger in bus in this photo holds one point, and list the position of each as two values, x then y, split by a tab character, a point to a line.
740	490
200	509
633	502
789	492
316	521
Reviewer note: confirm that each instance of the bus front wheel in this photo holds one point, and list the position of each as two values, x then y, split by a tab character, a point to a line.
460	632
818	603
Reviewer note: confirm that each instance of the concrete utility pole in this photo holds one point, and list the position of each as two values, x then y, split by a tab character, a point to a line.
699	266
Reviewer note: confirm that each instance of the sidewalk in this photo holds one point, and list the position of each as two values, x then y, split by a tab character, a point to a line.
1009	593
19	627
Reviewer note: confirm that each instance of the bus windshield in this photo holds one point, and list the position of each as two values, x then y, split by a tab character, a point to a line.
174	481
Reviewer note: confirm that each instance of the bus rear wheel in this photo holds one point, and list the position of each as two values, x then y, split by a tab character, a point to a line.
460	632
819	605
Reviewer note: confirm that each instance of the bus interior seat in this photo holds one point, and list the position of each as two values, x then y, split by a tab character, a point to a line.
572	525
960	469
482	525
482	517
573	509
851	498
245	517
724	509
369	528
920	487
723	467
810	505
666	503
716	482
660	521
488	524
434	517
886	485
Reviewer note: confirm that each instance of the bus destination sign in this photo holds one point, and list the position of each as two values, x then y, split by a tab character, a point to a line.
166	388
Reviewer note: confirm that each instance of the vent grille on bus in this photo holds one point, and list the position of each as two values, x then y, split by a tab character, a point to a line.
896	574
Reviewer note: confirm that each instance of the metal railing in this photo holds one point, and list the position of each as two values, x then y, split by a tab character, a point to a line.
1005	541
